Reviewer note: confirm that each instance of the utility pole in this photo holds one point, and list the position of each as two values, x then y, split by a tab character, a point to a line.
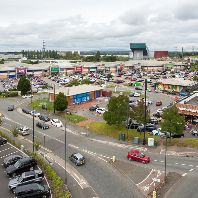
43	50
145	89
54	98
65	153
33	130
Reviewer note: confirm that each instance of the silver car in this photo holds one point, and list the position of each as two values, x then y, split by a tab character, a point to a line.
77	159
23	130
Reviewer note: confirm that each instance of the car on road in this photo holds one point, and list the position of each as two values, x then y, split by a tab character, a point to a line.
93	108
131	94
11	108
56	122
138	88
136	155
42	125
160	111
158	103
23	130
100	110
29	177
2	141
21	166
136	94
10	160
149	127
77	159
32	190
44	118
27	111
27	96
35	113
195	132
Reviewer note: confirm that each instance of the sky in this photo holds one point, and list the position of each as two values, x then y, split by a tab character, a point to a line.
98	25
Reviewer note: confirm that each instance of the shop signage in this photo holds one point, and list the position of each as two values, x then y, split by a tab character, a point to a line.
54	68
21	70
78	68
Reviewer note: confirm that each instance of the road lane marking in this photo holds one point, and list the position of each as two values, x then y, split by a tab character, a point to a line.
5	149
184	174
162	161
191	170
176	163
191	165
146	177
183	164
155	160
8	154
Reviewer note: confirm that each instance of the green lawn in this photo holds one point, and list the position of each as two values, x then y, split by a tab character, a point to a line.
101	128
37	104
75	118
183	142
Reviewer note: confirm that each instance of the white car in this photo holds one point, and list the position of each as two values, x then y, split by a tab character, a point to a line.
27	96
56	123
160	111
23	130
35	113
100	110
136	94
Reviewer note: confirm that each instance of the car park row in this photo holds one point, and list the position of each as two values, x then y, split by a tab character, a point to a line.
25	178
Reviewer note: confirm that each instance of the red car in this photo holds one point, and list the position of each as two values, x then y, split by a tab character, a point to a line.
138	156
158	103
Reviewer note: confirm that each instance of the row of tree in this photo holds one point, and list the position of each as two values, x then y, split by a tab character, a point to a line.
36	54
119	111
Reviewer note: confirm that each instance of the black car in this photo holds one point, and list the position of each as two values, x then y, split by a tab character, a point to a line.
2	141
149	128
27	111
138	88
10	160
32	190
42	125
93	108
132	124
21	166
177	135
29	177
44	118
11	108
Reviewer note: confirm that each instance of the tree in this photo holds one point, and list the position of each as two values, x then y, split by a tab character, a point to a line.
97	57
138	112
60	102
24	85
172	121
118	108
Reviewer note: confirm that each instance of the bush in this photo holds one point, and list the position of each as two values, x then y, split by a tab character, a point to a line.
37	145
15	132
75	118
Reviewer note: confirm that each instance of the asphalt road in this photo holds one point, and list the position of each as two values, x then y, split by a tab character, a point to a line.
97	171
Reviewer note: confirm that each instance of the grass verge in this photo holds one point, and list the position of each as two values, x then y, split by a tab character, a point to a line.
75	118
37	104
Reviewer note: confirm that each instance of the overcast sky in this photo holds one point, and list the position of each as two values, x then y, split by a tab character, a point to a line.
96	25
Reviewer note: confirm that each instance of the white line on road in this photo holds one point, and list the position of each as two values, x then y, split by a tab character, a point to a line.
191	170
146	177
155	160
191	165
162	161
176	163
183	164
184	174
5	149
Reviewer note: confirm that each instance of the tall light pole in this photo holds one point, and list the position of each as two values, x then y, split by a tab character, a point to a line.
54	98
33	129
65	153
145	89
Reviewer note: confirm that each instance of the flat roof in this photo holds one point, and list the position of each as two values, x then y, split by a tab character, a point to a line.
193	101
177	81
70	91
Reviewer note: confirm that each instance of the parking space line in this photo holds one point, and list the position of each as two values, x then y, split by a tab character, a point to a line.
8	154
5	149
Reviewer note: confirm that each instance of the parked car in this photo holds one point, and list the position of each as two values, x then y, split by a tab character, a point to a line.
100	110
2	141
93	108
136	94
149	127
132	124
35	176
154	120
138	156
27	96
158	103
44	118
21	166
138	88
77	159
27	111
10	160
42	125
195	132
56	123
11	108
23	130
32	190
35	113
177	135
131	94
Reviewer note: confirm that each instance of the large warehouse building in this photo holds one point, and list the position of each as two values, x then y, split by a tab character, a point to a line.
139	51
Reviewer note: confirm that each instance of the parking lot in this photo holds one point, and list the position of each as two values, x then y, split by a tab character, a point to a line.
5	151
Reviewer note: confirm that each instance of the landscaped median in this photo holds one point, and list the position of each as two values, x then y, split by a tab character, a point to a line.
58	189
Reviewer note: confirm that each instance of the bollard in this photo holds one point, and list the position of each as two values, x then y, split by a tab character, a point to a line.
113	158
154	194
22	148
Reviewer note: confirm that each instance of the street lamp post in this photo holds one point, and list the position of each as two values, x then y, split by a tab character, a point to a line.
33	129
65	154
145	89
54	98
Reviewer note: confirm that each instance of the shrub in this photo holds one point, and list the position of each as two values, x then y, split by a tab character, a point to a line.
15	132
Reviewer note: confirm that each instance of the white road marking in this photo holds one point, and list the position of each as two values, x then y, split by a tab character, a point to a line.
191	165
146	177
155	160
191	170
176	163
184	174
162	161
196	166
8	154
183	164
5	149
